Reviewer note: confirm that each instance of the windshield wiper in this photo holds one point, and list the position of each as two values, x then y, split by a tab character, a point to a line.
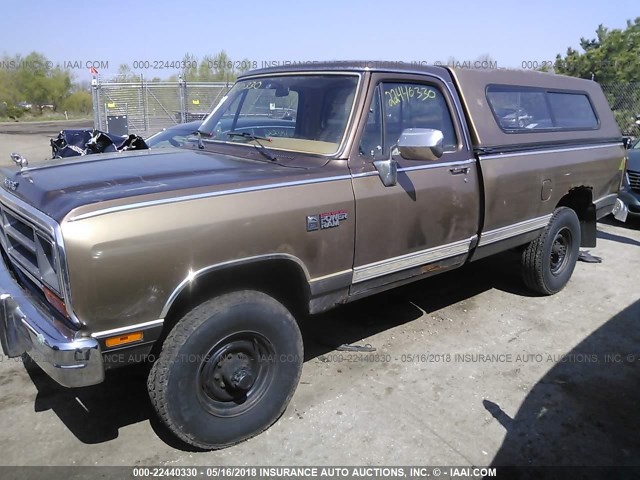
263	150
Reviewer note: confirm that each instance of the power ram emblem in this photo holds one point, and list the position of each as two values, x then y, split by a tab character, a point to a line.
325	220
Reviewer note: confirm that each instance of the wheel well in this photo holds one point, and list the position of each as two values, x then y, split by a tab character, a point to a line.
580	200
284	280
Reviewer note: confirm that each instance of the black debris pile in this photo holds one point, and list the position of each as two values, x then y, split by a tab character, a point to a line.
74	143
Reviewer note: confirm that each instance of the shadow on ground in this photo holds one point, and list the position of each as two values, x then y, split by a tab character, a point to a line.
584	411
632	223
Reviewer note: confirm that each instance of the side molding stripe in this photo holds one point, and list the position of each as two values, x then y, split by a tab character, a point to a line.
403	262
512	230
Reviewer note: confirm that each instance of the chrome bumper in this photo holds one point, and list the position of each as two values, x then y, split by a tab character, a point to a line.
620	211
25	327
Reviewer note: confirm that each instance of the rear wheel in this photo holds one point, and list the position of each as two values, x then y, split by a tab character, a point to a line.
549	260
227	370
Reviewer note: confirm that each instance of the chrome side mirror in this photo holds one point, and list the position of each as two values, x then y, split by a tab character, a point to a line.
421	144
387	170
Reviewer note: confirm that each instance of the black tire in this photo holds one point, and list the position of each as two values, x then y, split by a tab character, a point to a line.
227	370
549	260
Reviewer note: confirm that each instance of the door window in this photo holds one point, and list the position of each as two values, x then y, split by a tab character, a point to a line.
398	106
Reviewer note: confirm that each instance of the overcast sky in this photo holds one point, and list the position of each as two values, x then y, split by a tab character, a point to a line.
118	32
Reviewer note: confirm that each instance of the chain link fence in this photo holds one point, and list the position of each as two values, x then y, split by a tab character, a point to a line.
624	99
144	108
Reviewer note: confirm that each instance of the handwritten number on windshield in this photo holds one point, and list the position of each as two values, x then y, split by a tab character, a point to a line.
403	93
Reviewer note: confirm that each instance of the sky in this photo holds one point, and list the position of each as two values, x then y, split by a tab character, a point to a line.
153	34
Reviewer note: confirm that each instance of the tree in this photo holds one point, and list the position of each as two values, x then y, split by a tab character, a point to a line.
126	75
613	60
612	57
34	80
223	68
78	102
190	67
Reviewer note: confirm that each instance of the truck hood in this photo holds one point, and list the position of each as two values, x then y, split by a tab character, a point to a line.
58	186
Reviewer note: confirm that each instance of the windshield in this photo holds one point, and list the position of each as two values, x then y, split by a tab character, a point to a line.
302	113
175	136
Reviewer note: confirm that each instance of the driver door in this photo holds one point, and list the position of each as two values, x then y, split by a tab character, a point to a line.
428	221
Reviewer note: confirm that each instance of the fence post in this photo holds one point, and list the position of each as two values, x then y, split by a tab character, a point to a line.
95	96
182	87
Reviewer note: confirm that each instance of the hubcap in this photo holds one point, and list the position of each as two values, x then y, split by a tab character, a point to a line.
560	251
235	374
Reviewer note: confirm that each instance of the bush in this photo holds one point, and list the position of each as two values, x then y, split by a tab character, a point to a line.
11	111
78	102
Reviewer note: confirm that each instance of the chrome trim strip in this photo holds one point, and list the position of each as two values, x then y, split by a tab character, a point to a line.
365	174
256	188
403	262
437	165
191	276
129	328
611	198
541	151
509	231
153	203
325	277
421	167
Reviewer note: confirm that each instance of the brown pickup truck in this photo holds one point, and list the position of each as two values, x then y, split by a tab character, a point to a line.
305	188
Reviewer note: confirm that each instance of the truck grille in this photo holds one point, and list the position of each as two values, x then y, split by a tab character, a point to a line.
634	180
29	249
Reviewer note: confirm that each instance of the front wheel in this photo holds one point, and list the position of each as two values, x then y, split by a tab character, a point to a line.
549	260
227	370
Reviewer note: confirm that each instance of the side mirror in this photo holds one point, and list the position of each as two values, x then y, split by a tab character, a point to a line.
421	144
387	170
627	142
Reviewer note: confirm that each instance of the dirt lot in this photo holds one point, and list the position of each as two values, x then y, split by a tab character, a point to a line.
470	369
31	139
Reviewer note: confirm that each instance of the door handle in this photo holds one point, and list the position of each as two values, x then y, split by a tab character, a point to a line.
459	170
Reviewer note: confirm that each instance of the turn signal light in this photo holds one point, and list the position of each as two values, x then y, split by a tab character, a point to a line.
123	339
55	302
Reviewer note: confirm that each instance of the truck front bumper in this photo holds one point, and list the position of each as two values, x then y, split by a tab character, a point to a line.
26	327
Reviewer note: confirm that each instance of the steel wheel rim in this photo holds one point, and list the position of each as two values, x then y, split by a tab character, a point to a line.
235	374
560	251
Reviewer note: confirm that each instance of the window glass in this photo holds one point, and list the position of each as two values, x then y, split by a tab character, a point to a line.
409	105
522	109
371	141
571	110
305	113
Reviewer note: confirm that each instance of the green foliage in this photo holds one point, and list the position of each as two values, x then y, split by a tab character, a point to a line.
212	68
37	81
613	60
78	102
612	57
32	79
126	75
